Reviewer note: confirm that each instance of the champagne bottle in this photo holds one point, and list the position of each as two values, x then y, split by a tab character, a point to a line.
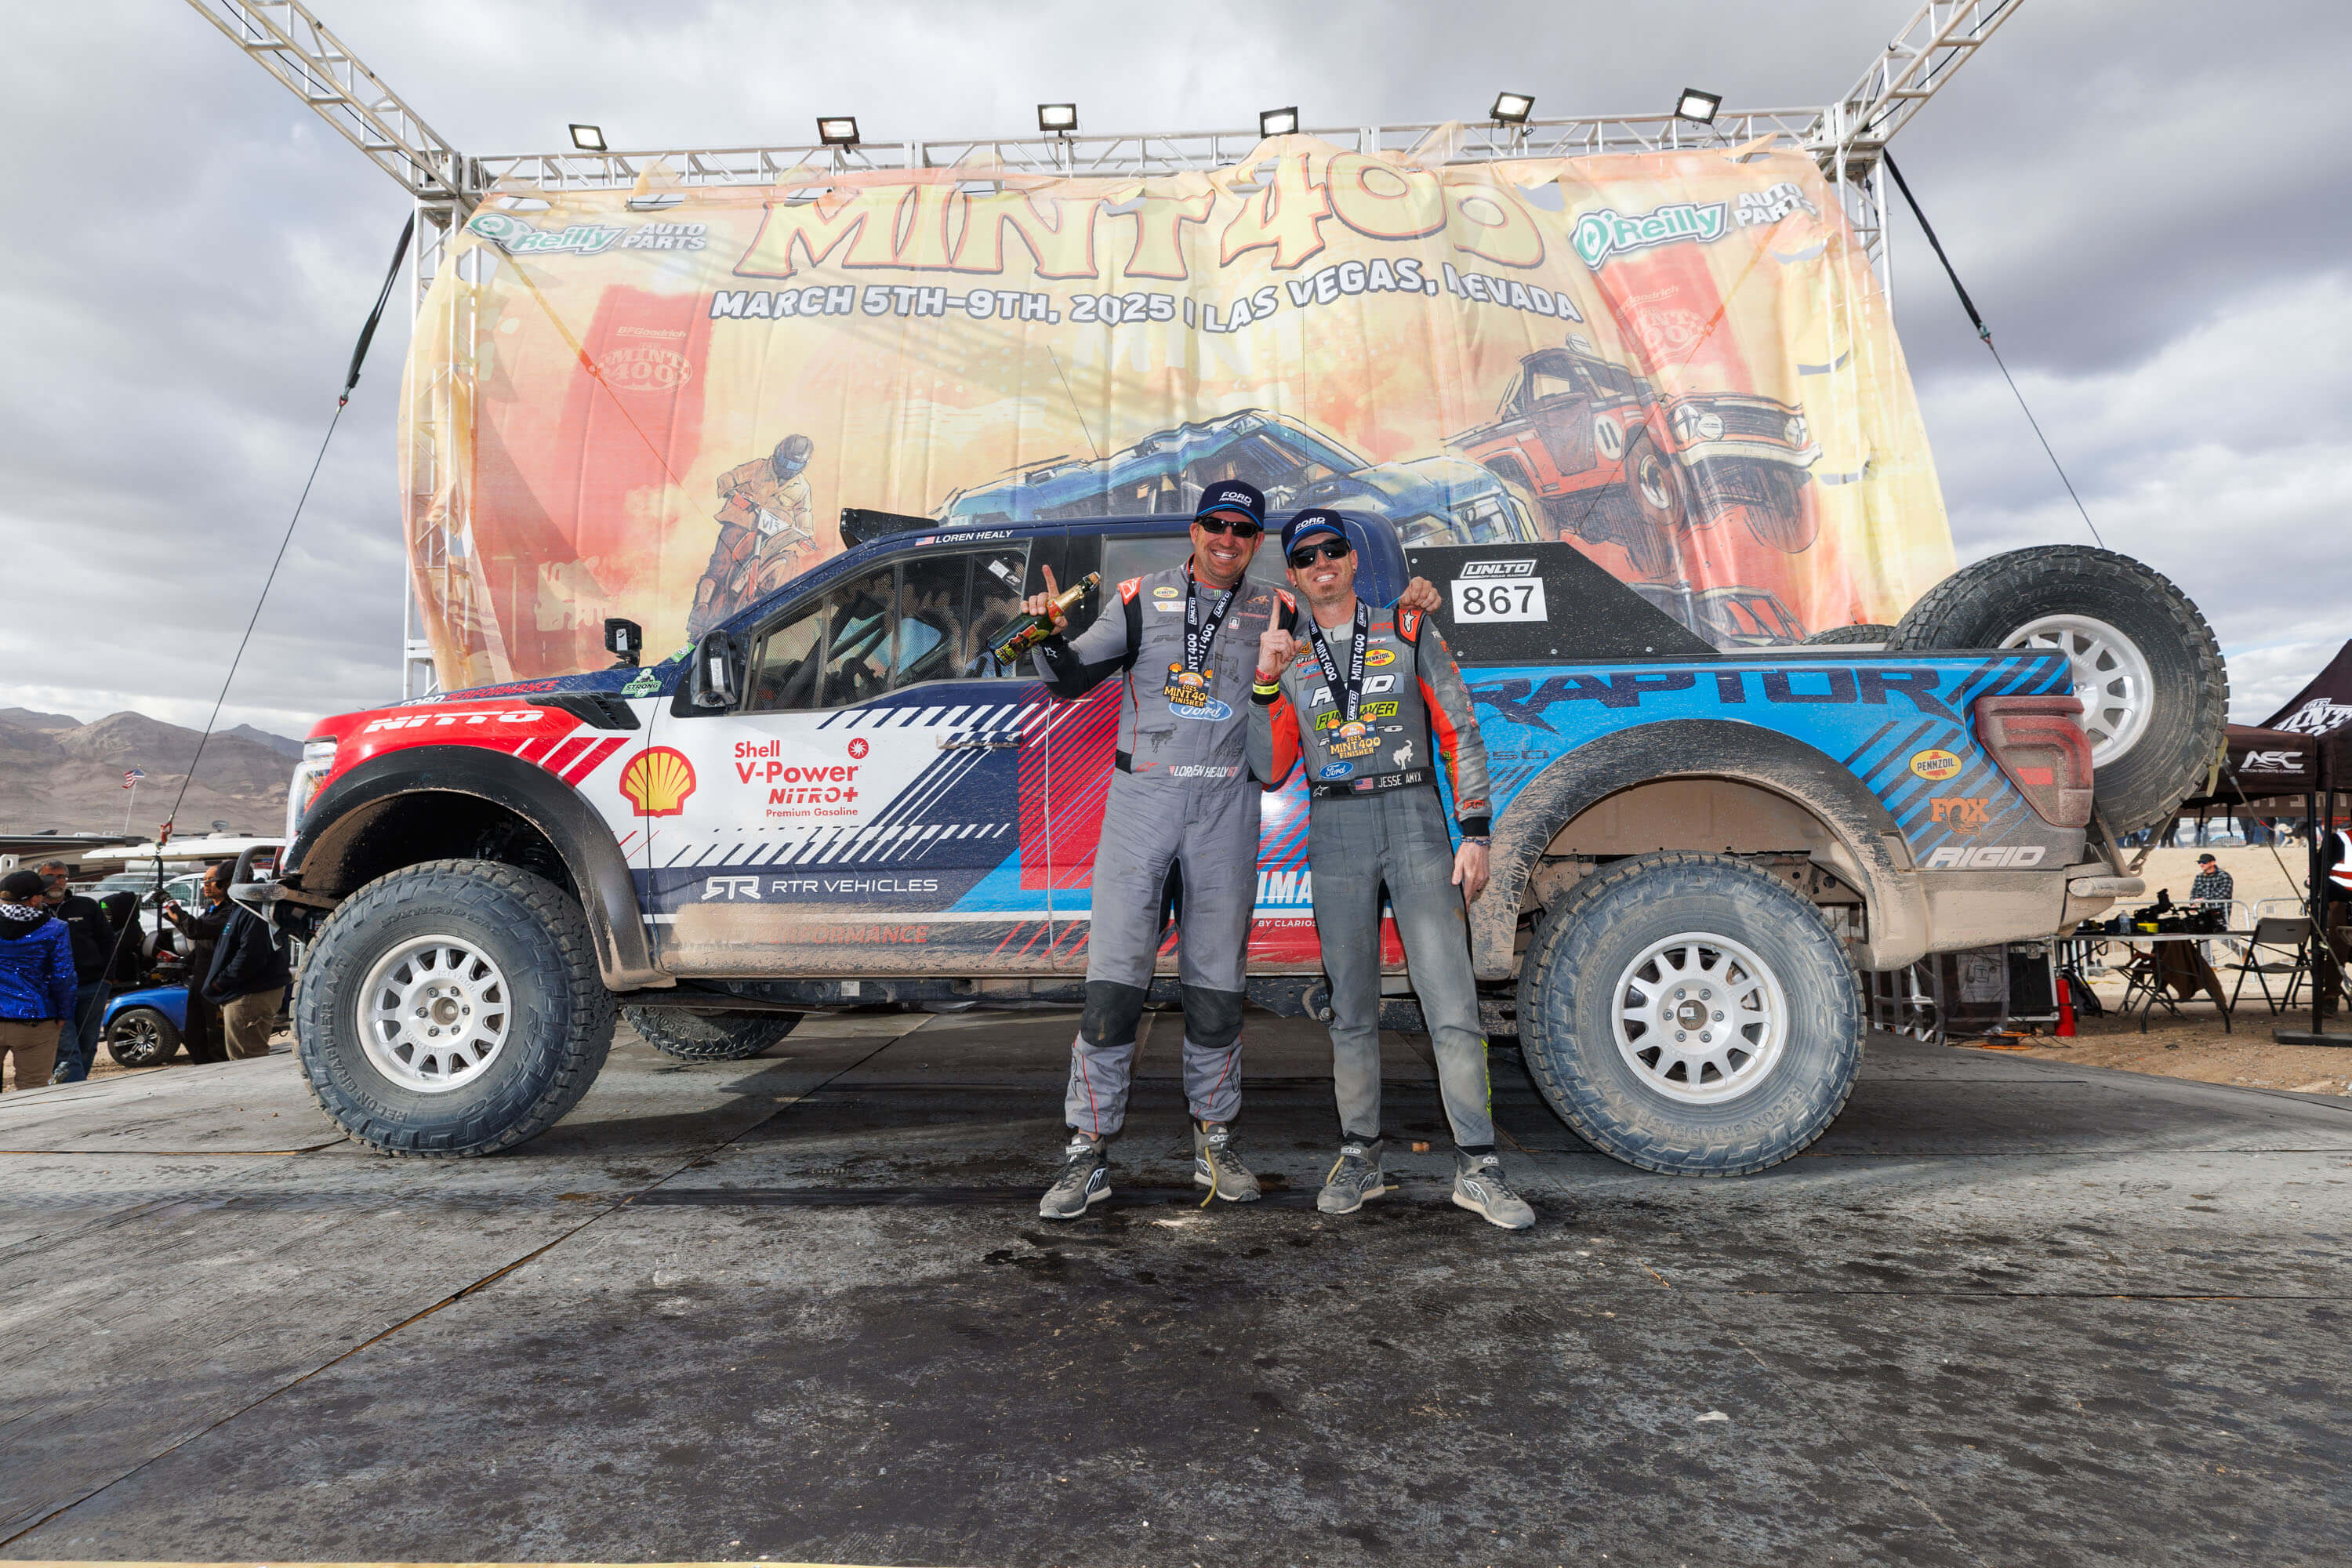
1028	631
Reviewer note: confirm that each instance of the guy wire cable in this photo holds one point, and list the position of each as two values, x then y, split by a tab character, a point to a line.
1985	333
350	380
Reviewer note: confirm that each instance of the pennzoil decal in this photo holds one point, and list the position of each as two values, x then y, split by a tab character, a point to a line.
1935	764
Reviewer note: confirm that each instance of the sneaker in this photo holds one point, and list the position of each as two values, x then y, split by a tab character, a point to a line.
1478	1187
1217	1167
1084	1179
1353	1178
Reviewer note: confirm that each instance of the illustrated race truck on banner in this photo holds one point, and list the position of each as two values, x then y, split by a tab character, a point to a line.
835	799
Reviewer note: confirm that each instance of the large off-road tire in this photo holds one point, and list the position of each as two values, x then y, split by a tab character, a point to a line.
2154	692
1872	632
708	1036
452	1008
141	1038
1657	488
1691	1014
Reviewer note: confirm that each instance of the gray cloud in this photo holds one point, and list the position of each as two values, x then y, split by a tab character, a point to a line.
2131	191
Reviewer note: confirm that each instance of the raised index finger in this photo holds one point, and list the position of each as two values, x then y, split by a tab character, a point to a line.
1051	587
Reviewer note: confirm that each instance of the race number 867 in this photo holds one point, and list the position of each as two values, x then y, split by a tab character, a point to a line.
1520	600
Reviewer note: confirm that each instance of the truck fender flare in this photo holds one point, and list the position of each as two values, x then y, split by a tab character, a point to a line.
344	812
1701	748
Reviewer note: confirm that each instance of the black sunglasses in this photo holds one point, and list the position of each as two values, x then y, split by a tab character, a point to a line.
1240	528
1305	555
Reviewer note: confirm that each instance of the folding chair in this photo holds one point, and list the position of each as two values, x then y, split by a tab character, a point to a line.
2278	934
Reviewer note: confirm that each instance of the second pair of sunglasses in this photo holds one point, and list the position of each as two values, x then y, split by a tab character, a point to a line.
1240	529
1306	555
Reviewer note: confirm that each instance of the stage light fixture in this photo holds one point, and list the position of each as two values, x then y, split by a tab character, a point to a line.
1278	122
1057	118
1512	108
588	138
1696	105
837	130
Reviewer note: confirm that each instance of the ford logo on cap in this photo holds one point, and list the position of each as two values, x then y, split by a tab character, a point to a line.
1233	495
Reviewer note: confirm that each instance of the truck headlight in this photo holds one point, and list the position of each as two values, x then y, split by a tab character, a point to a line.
318	762
1709	427
1796	430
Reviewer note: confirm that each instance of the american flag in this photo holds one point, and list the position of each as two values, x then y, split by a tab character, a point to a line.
131	778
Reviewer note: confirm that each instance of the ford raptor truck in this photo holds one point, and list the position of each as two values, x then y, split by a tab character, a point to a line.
835	799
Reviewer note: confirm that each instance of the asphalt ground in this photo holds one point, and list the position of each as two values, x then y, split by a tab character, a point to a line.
2007	1311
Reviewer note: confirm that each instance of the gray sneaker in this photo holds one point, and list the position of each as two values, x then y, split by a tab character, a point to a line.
1084	1179
1478	1187
1216	1165
1354	1177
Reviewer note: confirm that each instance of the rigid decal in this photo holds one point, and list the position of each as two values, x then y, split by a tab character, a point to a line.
1986	857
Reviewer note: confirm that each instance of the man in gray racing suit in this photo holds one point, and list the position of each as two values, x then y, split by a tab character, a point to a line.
1184	642
1374	704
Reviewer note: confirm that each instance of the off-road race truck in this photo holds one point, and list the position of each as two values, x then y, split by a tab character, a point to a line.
834	800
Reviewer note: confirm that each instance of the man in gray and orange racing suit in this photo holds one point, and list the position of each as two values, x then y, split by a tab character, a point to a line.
1184	641
1374	704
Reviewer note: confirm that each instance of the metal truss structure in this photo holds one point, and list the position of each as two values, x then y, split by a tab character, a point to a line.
1847	138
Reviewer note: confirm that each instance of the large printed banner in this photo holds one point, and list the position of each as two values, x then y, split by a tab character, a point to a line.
655	405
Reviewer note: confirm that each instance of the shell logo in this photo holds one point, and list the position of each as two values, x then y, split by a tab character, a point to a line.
1934	765
657	780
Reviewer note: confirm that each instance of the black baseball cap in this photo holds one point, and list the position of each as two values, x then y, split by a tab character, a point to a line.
1232	495
1313	521
2207	860
18	886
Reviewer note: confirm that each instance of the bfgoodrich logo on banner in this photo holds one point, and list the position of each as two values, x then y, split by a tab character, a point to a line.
1677	363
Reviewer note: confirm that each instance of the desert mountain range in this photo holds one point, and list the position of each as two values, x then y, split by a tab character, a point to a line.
57	772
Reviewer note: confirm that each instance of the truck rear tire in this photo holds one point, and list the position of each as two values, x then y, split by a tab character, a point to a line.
1870	632
1691	1014
452	1008
708	1036
2154	692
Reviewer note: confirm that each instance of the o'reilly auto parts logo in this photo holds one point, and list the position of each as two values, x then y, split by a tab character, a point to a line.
517	237
1498	568
1605	232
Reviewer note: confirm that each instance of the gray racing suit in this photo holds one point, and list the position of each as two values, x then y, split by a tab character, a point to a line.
1182	794
1374	820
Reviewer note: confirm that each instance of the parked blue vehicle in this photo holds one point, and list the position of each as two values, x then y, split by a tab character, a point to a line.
142	1028
1429	500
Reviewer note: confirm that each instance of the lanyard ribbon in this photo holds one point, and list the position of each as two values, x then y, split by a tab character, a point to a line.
1350	691
1201	626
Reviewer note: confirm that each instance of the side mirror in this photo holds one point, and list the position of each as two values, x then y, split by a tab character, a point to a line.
624	640
715	682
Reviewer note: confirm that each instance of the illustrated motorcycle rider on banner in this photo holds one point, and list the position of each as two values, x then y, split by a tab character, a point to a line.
767	533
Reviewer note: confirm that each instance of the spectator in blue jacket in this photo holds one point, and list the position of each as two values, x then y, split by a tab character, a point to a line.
36	978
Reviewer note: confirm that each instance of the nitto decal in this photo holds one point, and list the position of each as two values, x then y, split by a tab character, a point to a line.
1987	858
1935	764
443	721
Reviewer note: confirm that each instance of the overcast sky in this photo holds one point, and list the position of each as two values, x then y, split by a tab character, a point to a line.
2133	192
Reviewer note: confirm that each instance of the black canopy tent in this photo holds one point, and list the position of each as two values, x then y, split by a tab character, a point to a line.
2319	717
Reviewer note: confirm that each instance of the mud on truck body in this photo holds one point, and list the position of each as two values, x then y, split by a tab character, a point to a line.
834	801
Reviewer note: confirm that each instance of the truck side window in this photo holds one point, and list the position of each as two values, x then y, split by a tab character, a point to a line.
930	617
